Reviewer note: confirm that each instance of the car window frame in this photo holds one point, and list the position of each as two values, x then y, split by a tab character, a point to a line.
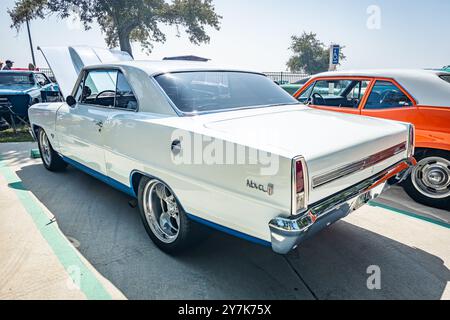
45	76
313	81
82	80
396	84
363	102
84	84
182	113
132	90
309	85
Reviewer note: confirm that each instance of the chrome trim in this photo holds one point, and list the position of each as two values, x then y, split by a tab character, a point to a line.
288	232
411	140
294	210
363	164
161	222
431	177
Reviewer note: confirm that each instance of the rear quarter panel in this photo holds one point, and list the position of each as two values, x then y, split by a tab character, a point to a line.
433	128
432	124
214	192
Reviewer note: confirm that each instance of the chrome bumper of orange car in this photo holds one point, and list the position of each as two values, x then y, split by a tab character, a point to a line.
288	232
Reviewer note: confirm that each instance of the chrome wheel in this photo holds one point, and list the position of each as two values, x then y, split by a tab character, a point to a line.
45	148
161	211
431	177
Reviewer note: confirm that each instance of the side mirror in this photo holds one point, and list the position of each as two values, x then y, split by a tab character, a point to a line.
70	100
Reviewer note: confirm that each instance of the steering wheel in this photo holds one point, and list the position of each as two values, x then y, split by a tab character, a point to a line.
103	92
317	98
386	95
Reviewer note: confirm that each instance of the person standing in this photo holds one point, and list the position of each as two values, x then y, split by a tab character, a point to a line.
31	67
1	64
8	65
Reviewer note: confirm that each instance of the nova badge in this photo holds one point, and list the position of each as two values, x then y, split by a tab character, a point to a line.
264	188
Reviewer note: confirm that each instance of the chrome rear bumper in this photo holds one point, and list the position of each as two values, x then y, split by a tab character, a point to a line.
288	232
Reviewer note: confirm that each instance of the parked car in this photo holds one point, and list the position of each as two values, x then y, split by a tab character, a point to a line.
21	89
148	128
292	88
421	97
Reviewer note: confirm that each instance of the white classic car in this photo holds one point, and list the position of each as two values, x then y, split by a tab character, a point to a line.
223	147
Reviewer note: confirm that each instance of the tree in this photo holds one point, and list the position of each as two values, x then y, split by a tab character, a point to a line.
311	56
124	21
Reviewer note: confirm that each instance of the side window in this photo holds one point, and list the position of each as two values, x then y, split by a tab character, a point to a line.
100	88
304	97
41	79
386	95
343	93
358	90
125	98
330	88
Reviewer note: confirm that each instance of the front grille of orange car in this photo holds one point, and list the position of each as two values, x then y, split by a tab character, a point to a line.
363	164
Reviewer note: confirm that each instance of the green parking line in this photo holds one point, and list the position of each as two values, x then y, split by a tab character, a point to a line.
410	214
66	254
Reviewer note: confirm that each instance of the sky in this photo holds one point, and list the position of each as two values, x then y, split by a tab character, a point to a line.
256	34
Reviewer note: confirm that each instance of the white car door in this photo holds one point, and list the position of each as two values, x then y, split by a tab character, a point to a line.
80	127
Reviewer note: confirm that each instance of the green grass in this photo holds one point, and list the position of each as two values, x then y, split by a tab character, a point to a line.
22	135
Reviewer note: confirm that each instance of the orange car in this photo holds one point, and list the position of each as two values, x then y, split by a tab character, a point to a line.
420	97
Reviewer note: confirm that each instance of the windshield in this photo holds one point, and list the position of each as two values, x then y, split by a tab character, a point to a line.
16	79
215	91
446	78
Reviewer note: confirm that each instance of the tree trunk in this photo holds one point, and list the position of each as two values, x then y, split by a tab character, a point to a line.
125	44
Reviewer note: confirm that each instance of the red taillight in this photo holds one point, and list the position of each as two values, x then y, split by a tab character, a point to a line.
299	177
299	186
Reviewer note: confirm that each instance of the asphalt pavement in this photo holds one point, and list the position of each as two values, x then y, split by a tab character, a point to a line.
407	242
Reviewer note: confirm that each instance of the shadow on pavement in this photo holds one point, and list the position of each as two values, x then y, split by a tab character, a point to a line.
333	264
13	157
398	199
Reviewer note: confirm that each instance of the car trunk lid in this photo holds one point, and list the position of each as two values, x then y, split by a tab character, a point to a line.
328	141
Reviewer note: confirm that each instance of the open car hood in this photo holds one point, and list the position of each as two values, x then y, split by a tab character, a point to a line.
66	63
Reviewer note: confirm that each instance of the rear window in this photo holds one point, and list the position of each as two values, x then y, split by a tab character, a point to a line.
446	78
216	91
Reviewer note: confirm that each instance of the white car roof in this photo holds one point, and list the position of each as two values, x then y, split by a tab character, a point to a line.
153	68
425	86
67	63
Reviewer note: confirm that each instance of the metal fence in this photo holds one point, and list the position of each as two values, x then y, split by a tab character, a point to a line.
286	77
48	72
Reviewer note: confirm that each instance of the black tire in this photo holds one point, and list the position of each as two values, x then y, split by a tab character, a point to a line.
50	158
189	232
415	188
